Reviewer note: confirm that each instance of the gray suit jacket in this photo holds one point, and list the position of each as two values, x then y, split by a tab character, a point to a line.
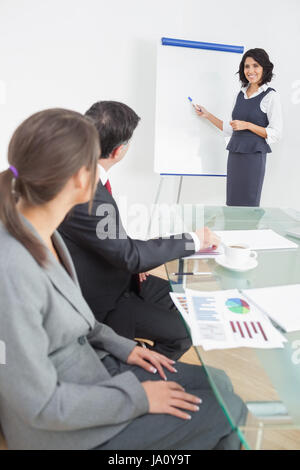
55	392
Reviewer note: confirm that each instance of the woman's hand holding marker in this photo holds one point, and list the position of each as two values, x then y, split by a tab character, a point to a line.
196	106
201	111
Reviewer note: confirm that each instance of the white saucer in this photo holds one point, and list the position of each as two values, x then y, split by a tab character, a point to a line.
246	267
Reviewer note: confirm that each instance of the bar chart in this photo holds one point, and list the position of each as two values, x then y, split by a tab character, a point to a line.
225	319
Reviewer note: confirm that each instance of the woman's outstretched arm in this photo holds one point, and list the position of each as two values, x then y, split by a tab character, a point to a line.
201	111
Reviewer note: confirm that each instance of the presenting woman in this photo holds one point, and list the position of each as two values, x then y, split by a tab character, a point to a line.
256	123
70	382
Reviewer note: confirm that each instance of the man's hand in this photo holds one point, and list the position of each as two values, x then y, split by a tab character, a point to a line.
143	276
207	238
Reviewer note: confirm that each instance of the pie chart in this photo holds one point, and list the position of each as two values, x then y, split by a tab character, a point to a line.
237	306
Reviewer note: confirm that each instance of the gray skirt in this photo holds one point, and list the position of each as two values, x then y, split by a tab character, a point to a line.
245	177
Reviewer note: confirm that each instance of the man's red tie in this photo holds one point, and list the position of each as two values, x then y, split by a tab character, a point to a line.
108	186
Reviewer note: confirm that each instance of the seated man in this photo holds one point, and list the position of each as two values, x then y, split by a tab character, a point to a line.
108	261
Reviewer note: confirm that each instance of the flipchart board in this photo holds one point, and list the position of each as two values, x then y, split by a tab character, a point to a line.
186	144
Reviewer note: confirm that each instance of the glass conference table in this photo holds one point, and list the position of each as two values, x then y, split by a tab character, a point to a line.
268	380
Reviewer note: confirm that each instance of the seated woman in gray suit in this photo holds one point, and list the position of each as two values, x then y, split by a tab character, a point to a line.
69	381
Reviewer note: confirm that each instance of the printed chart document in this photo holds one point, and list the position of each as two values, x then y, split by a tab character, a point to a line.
225	319
281	303
180	302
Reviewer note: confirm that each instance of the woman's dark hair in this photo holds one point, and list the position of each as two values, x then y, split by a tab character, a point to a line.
47	149
260	56
115	123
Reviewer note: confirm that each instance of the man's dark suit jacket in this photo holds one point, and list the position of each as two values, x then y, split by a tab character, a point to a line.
105	266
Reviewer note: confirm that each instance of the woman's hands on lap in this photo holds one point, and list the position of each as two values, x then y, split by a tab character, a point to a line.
170	398
151	361
163	396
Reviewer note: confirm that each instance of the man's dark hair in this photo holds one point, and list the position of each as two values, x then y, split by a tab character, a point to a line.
115	123
260	56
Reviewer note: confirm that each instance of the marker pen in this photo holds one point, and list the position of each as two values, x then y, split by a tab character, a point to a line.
195	106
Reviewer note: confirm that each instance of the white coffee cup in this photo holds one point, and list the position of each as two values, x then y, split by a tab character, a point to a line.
238	254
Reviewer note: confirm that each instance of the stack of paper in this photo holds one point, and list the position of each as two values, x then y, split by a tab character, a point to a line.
225	319
256	239
281	303
208	253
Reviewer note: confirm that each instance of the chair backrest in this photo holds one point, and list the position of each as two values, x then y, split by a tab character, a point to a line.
3	445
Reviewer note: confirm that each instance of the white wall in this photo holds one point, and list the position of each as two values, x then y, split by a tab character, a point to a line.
71	53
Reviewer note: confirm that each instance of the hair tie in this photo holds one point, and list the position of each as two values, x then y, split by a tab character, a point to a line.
14	171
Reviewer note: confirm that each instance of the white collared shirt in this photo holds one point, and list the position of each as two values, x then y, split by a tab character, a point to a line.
270	105
103	174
